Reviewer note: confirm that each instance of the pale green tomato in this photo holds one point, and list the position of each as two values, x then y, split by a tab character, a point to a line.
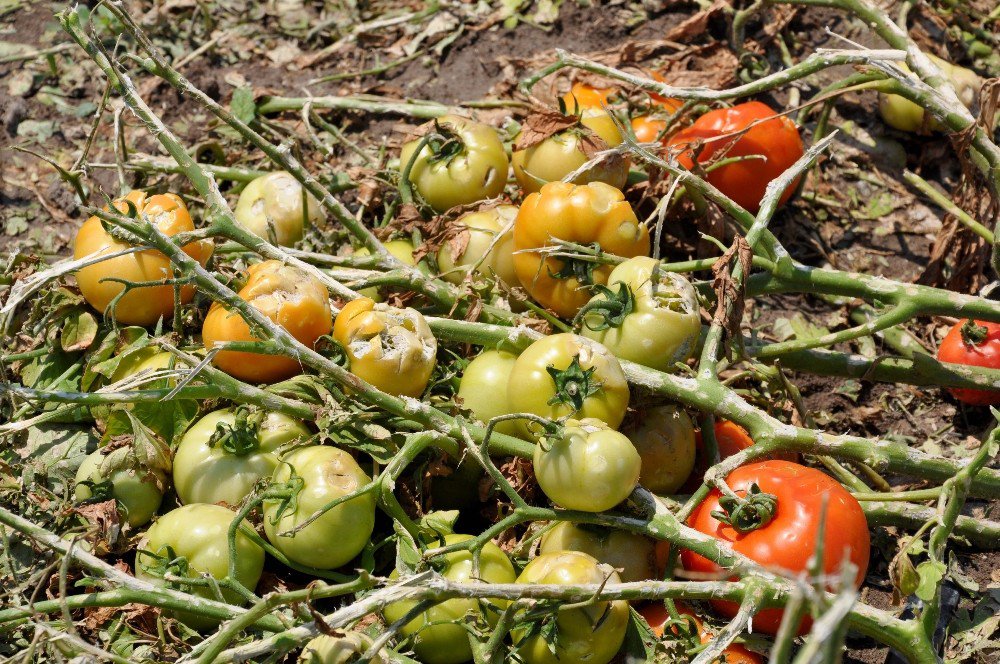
277	208
337	649
483	389
340	534
591	634
654	327
633	555
664	438
586	466
401	249
200	535
488	247
149	359
904	115
439	636
226	471
137	492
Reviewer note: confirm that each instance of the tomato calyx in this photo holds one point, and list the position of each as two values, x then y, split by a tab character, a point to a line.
169	564
287	494
754	510
610	312
573	384
99	491
447	149
974	334
582	269
240	438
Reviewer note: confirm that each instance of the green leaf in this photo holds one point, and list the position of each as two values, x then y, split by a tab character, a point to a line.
79	332
797	327
440	523
168	419
640	643
56	452
243	105
907	575
931	572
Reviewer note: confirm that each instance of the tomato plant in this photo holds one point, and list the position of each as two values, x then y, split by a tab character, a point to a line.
973	343
902	114
225	453
484	385
586	466
567	375
277	208
288	296
468	165
138	492
649	320
658	618
401	249
590	634
439	635
485	246
763	144
595	215
146	303
790	538
340	534
664	438
633	555
391	348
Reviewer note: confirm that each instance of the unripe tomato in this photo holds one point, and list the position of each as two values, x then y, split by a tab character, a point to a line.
591	214
147	304
483	388
586	466
590	634
977	344
657	616
789	540
288	296
222	456
664	438
327	473
631	554
776	138
138	492
654	326
583	95
902	114
566	375
338	649
391	348
199	534
401	249
439	636
148	359
469	166
277	208
562	153
488	247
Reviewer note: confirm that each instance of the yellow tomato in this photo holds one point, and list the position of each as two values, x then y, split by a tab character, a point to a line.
277	208
488	248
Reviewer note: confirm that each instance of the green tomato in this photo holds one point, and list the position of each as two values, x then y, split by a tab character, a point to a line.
401	249
656	328
488	247
470	165
224	471
586	466
633	555
137	492
904	115
340	534
277	208
199	534
483	388
566	375
337	649
591	634
439	634
664	438
149	359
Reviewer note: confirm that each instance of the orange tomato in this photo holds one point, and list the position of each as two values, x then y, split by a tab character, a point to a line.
670	104
647	128
656	614
583	95
731	439
288	296
147	304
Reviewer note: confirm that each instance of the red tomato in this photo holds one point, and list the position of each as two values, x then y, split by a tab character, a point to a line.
975	343
656	615
776	138
731	439
787	542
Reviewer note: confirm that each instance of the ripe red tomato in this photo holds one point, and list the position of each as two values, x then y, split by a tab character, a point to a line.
656	615
975	343
776	138
788	541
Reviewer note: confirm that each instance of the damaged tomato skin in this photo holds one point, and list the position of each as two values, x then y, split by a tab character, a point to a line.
955	350
138	496
664	438
288	296
271	207
146	305
775	137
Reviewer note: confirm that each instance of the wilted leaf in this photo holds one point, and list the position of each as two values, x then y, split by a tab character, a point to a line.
930	572
243	105
79	332
542	124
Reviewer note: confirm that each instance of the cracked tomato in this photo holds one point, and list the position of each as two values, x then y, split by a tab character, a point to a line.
276	207
977	344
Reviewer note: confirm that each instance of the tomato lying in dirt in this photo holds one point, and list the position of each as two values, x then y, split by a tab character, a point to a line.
288	296
776	138
485	246
594	214
586	466
657	616
338	649
664	438
147	304
192	541
277	208
583	95
439	635
483	388
225	453
340	534
469	165
973	343
391	348
790	538
138	492
590	634
633	555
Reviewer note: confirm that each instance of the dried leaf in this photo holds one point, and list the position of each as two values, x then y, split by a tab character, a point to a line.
730	296
697	24
541	124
